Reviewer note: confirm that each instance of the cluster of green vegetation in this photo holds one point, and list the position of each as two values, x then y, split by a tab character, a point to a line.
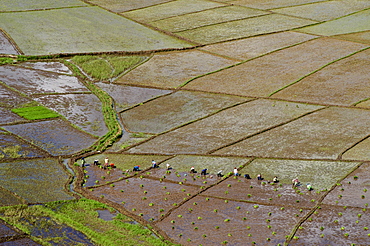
81	215
110	118
105	67
35	112
11	151
6	60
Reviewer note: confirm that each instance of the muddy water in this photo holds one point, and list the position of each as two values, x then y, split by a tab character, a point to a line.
56	67
26	149
5	231
82	110
6	47
126	96
56	136
148	197
11	99
106	215
20	242
46	228
238	222
335	225
31	81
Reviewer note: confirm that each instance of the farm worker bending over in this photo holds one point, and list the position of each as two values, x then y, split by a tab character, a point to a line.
219	174
192	170
154	164
204	172
136	168
295	182
259	177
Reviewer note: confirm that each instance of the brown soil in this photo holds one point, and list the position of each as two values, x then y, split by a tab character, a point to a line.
330	85
151	200
221	129
173	69
265	75
353	190
322	135
333	225
236	222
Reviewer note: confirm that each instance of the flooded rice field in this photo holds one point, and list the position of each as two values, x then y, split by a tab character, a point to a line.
234	90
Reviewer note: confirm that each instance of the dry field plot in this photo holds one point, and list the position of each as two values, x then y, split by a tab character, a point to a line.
243	28
36	180
325	134
224	127
206	17
170	9
344	83
360	37
26	5
118	6
359	151
82	110
170	70
324	11
252	47
272	4
267	74
357	22
63	29
174	110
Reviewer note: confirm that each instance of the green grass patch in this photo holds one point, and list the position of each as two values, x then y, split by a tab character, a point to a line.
11	151
106	67
81	215
6	60
35	113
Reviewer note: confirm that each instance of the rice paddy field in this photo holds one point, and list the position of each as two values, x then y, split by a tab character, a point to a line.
149	122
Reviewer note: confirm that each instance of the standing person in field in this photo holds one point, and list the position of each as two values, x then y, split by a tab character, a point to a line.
106	162
236	172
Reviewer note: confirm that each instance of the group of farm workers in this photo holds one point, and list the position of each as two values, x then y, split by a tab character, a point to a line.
295	181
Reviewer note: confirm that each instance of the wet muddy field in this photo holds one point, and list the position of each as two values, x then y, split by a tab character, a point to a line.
271	88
